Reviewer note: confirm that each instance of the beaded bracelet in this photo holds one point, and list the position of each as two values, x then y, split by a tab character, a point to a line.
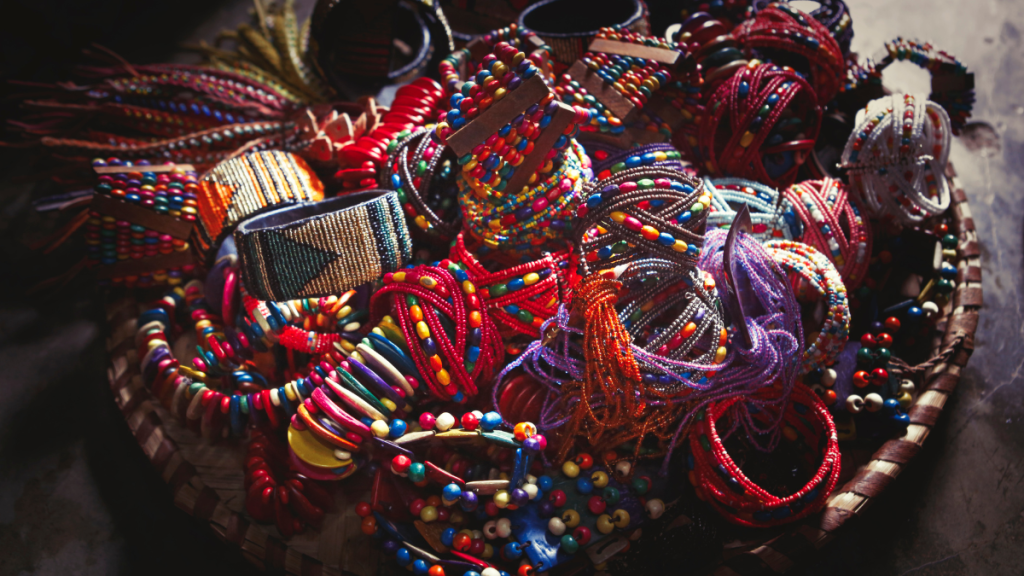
323	248
833	15
520	298
243	187
771	217
524	222
818	271
647	211
456	343
787	34
610	160
568	47
833	224
743	132
420	171
462	64
952	85
139	222
905	182
720	481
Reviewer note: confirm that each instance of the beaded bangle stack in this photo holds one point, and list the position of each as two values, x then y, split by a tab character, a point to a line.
771	218
139	222
906	182
813	267
422	174
721	482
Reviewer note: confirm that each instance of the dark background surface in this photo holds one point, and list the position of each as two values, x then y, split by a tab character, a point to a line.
77	496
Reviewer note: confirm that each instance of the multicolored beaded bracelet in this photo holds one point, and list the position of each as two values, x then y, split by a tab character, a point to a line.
462	64
641	212
771	218
834	225
449	335
524	222
720	481
323	248
422	173
139	221
905	182
520	298
609	160
952	85
759	124
818	271
783	32
242	187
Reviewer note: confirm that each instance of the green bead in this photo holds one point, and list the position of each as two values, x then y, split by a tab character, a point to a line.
864	356
618	167
498	290
611	495
524	316
704	443
411	300
569	544
421	167
640	486
645	184
949	241
764	110
883	355
945	286
470	366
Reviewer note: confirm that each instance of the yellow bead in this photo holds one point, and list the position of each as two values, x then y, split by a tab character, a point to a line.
599	478
468	287
621	518
531	279
421	222
499	94
428	514
605	524
790	433
379	428
422	330
570	469
746	139
618	216
389	404
443	377
571	518
679	246
398	276
428	282
720	354
502	498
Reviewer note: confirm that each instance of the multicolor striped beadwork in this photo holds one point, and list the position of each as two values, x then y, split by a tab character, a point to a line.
242	187
323	248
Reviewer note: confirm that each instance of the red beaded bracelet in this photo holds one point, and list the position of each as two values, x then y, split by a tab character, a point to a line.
719	480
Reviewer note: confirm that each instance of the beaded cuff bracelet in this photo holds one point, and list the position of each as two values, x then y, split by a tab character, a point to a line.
323	248
242	187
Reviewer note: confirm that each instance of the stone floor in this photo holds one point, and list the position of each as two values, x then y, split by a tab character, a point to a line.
78	497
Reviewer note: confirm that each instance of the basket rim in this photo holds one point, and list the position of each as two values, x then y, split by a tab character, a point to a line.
778	554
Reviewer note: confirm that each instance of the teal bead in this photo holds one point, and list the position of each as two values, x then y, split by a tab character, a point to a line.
864	356
569	544
949	241
883	355
945	286
611	495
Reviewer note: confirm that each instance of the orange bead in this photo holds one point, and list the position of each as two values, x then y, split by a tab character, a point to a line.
688	330
369	525
416	313
436	570
475	319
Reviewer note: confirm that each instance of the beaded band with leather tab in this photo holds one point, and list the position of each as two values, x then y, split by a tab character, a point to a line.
720	481
244	186
323	248
569	46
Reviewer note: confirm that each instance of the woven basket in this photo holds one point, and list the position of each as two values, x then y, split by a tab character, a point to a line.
207	480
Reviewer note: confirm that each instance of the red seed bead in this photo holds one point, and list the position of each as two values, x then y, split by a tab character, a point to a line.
584	461
434	501
427	421
435	570
470	421
828	397
525	570
879	376
417	506
868	340
363	509
557	498
596	505
369	525
443	513
884	340
476	548
861	379
582	535
892	323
